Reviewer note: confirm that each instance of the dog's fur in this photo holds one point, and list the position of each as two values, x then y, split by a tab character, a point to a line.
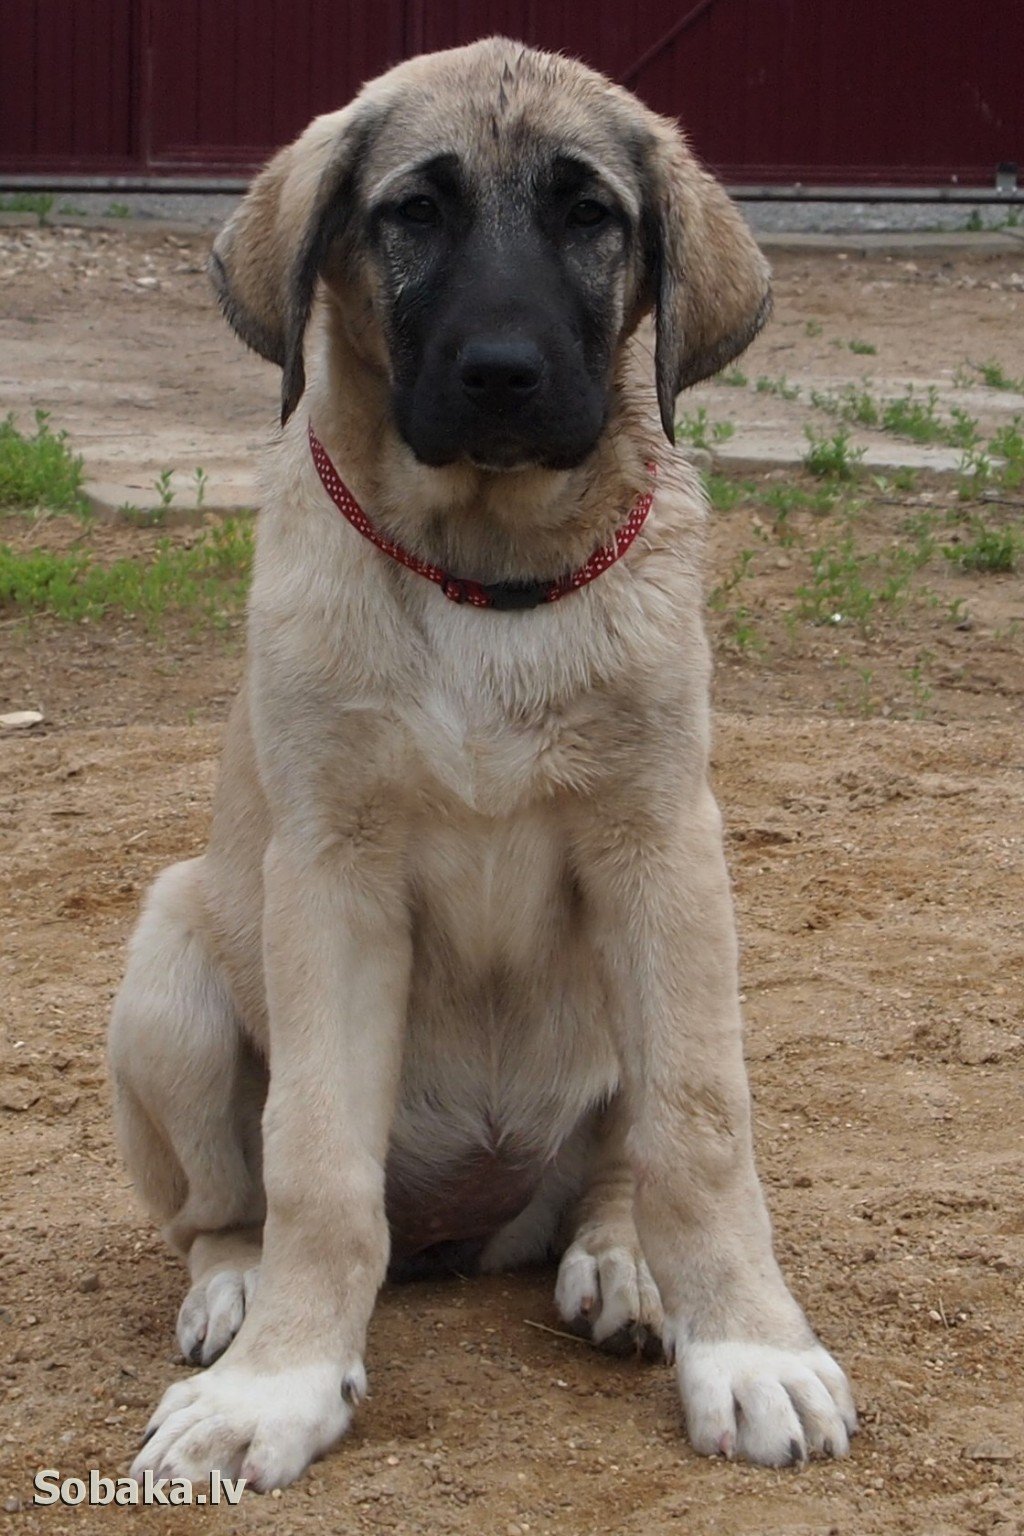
455	980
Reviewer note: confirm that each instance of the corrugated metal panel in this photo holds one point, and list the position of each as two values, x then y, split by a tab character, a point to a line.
66	84
818	91
790	90
230	82
848	90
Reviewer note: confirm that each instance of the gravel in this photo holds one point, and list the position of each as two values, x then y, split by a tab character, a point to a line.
768	216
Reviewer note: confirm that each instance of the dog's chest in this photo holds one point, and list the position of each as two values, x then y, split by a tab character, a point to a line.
493	754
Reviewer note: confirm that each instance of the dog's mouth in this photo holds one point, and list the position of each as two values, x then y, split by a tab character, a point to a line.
502	453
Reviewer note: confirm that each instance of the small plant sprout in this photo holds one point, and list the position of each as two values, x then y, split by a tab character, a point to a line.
164	489
734	377
200	478
813	328
862	348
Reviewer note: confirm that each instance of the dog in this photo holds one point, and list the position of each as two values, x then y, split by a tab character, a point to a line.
455	981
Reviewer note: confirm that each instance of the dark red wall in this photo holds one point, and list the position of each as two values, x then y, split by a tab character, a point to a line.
898	91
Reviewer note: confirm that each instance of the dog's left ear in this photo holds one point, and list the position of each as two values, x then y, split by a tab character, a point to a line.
707	279
267	259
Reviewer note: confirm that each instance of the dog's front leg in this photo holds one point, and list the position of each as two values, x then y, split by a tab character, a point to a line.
754	1380
337	953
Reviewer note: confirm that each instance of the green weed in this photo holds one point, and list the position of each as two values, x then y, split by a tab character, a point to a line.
832	458
781	387
995	377
862	348
734	377
38	471
851	404
988	550
723	493
38	203
701	432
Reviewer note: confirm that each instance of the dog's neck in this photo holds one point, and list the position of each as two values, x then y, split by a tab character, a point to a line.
518	525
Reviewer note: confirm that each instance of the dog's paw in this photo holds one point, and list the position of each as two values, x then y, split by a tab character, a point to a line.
264	1427
763	1404
607	1294
212	1313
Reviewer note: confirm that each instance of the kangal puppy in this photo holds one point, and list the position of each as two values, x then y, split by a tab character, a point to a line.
454	983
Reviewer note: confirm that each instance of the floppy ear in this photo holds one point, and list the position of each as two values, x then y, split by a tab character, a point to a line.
267	258
710	284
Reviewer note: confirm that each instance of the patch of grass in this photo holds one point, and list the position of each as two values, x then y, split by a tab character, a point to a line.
851	404
118	211
832	458
915	416
862	348
699	430
1008	444
741	632
781	501
1000	463
210	578
38	471
840	589
988	549
781	387
38	203
813	328
734	377
995	377
723	492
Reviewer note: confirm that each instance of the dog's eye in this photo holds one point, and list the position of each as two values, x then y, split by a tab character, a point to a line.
587	213
419	210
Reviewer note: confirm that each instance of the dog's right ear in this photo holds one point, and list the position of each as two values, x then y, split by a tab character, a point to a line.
267	259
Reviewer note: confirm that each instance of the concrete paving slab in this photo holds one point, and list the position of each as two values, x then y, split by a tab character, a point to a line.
133	502
754	452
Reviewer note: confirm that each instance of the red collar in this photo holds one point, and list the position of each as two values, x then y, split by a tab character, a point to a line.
500	594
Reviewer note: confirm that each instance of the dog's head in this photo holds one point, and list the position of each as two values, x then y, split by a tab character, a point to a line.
491	223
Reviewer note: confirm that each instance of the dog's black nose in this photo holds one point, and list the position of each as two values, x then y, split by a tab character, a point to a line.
499	374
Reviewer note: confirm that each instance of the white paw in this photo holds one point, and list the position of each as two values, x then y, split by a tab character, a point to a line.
762	1404
265	1427
212	1313
608	1294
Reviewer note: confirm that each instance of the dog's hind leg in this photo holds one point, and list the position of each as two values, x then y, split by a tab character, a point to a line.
604	1289
188	1092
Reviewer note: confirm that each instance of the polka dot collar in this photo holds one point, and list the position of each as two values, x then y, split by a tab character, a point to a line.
457	589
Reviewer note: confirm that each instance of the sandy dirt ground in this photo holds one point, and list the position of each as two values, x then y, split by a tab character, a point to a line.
876	840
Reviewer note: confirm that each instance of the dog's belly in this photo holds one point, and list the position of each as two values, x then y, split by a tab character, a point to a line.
508	1046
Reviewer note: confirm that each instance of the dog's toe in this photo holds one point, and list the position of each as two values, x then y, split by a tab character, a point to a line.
607	1294
212	1314
764	1404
